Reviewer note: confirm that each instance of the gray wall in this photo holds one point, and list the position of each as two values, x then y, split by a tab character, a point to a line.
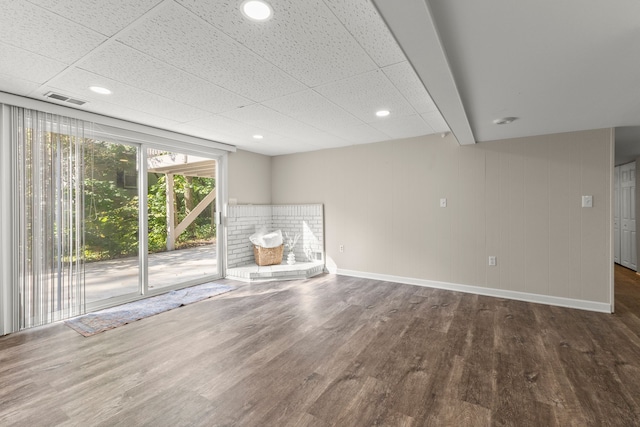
517	199
249	177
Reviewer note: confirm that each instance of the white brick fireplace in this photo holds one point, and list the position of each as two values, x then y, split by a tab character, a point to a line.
244	220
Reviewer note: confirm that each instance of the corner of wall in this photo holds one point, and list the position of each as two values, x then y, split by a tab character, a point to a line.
250	178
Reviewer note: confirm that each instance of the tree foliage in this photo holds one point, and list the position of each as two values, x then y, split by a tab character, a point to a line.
111	221
111	211
203	228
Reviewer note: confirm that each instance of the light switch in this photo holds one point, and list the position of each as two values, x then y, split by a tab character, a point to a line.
443	203
587	201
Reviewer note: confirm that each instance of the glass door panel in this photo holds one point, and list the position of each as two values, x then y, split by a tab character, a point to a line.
111	210
181	214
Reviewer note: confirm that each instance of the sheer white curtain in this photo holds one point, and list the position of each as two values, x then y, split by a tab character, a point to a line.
48	160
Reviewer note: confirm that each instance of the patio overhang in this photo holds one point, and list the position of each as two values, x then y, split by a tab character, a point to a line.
182	164
171	164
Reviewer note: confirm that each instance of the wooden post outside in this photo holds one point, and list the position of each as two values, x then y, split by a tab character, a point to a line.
188	220
171	237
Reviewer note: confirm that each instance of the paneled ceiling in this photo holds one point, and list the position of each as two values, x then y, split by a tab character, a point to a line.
310	78
558	66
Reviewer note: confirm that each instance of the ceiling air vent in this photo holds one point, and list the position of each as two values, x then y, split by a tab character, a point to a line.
64	98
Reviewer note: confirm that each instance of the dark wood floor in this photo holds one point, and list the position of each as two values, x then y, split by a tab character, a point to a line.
335	351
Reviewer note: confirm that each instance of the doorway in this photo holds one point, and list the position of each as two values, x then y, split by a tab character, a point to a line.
182	218
169	194
111	224
624	224
81	215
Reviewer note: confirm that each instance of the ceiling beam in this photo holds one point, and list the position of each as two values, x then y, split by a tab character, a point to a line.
411	23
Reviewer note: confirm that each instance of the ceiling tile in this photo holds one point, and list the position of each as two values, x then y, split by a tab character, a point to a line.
259	115
361	134
229	130
127	65
404	127
124	113
306	80
365	24
278	147
435	120
105	16
115	110
12	84
313	109
25	65
303	38
36	30
223	129
365	94
266	118
276	150
210	133
76	82
190	129
179	38
407	82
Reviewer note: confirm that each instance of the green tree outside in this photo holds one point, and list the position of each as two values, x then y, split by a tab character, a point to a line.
111	209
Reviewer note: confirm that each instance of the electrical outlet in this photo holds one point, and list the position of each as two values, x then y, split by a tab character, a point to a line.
341	248
493	261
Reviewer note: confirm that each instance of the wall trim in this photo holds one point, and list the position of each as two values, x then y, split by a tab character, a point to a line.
491	292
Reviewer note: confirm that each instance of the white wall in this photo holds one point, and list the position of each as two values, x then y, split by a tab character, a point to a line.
244	220
517	199
249	177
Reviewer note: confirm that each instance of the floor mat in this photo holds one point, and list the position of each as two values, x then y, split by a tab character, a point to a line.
100	321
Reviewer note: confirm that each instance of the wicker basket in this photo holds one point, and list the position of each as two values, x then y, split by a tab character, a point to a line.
268	256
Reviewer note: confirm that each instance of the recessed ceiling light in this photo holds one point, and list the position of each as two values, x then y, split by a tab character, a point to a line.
504	120
257	137
382	113
256	10
100	90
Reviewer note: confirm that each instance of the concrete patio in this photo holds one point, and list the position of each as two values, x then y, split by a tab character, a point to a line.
108	279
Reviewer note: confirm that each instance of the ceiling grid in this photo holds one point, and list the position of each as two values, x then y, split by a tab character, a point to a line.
310	78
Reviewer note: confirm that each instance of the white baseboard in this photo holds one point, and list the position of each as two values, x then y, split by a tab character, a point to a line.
491	292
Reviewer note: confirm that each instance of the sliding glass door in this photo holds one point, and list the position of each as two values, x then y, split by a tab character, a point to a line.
104	217
170	195
111	221
181	215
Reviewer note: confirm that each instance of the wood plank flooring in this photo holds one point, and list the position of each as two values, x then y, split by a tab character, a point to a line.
335	351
